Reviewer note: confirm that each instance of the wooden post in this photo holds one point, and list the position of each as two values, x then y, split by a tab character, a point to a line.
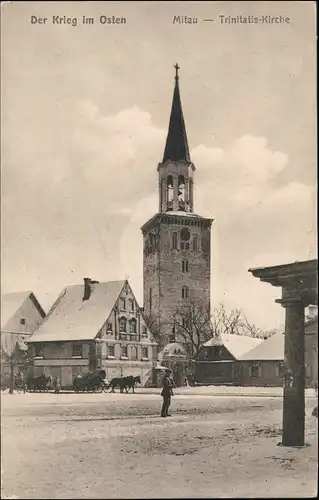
293	433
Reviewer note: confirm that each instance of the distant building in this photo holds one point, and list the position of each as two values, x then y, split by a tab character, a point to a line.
216	361
21	313
264	365
177	242
94	326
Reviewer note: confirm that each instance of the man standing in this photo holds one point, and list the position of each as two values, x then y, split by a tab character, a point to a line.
166	393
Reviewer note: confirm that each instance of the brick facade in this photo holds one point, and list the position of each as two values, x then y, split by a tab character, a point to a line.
168	267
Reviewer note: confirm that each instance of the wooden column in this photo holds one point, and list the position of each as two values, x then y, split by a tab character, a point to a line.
293	433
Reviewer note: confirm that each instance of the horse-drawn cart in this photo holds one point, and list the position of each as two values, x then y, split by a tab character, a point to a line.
91	382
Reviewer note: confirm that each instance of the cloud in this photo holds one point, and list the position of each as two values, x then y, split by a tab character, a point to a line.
86	187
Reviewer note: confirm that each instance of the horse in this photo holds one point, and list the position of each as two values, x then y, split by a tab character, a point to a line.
129	383
115	382
126	383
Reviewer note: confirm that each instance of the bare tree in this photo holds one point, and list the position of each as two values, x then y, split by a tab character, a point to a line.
155	325
20	354
235	322
192	325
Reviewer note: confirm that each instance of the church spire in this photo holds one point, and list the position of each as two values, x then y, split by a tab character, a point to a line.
176	147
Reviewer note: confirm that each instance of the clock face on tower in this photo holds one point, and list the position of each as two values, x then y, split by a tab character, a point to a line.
185	234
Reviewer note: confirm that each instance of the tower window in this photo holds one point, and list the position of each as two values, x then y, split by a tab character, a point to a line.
195	243
181	188
185	292
185	266
174	241
170	190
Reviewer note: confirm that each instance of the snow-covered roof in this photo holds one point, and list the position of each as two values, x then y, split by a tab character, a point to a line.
10	303
71	318
273	347
270	349
237	345
172	349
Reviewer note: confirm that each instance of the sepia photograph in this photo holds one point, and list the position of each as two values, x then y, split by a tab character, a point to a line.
159	273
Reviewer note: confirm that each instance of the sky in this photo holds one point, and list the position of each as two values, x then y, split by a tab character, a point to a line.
85	112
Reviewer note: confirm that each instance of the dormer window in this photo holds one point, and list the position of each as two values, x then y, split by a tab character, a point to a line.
131	303
144	331
22	321
109	327
122	304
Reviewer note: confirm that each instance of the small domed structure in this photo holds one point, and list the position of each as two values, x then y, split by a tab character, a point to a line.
174	357
173	349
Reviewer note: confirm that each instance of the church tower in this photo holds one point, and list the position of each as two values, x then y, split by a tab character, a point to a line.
176	261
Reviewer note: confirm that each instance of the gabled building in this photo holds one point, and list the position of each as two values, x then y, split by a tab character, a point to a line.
265	366
94	326
21	313
215	363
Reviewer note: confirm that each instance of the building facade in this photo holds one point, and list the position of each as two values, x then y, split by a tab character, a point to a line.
216	362
265	365
177	242
21	313
95	326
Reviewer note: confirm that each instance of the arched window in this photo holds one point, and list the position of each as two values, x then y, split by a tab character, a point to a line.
122	322
181	188
185	266
133	325
170	190
185	292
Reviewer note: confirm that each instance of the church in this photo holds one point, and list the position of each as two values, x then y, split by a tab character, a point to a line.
177	241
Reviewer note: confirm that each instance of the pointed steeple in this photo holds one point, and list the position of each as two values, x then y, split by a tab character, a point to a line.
176	147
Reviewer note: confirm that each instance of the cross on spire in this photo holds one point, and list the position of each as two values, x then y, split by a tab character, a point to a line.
176	69
176	147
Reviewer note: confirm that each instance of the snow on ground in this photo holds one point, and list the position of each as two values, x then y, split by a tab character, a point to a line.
116	446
